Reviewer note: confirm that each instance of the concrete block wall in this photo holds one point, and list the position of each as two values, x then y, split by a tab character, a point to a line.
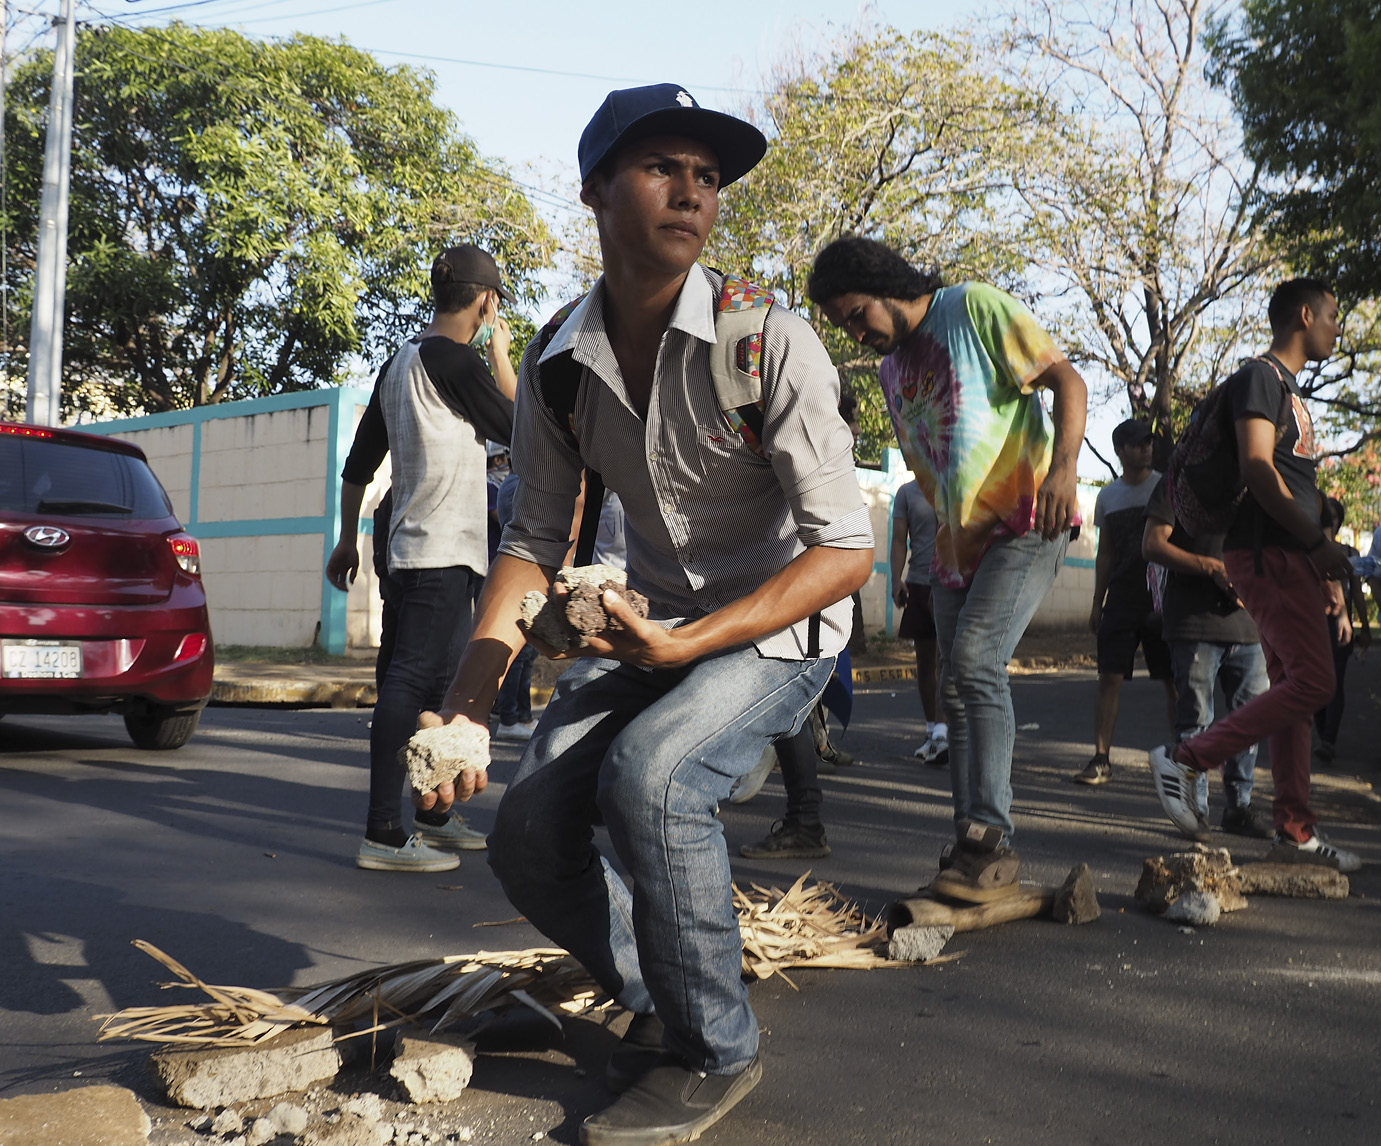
257	483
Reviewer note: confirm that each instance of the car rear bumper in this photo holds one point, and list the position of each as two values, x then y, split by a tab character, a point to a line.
129	656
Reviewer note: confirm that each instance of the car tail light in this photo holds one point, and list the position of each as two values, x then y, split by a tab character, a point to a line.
26	431
187	552
192	646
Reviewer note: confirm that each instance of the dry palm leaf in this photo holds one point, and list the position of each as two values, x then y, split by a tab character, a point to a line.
806	927
800	927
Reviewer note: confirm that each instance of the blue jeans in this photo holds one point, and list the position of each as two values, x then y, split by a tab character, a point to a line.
1241	670
978	628
431	630
515	694
650	754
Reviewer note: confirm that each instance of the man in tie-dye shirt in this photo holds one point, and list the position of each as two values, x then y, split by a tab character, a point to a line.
962	372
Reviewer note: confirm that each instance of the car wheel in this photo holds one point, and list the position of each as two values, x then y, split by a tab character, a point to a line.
161	728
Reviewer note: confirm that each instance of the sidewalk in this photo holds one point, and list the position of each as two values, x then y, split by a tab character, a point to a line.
352	685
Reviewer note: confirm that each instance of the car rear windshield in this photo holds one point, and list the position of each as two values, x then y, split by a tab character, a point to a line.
57	477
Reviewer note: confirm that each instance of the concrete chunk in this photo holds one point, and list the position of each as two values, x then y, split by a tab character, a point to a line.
292	1061
919	942
1210	870
1304	881
433	1068
88	1116
1196	908
438	755
1077	902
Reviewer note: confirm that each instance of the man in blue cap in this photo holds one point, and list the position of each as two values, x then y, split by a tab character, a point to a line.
747	547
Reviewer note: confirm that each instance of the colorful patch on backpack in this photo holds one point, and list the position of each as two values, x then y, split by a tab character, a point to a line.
556	321
740	294
742	429
748	356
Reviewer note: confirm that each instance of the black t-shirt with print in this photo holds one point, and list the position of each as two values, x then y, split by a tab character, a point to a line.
1193	608
1255	391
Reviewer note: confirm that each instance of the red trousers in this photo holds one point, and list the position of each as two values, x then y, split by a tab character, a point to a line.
1286	602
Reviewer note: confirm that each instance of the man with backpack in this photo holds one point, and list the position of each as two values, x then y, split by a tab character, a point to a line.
746	530
1281	564
434	403
961	375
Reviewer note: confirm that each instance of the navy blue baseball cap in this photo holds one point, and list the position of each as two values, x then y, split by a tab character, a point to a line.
667	109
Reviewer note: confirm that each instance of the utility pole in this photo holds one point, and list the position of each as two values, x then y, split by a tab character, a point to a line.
50	281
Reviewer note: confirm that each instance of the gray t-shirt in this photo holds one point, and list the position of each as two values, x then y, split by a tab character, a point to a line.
912	513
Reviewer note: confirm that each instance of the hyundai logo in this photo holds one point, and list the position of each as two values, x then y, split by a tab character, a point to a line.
47	536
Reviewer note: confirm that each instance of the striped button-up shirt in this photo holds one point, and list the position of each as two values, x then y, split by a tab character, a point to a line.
707	520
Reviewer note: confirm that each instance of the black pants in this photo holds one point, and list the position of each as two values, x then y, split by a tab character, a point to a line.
431	631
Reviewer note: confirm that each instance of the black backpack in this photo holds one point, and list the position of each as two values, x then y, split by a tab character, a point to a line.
1204	475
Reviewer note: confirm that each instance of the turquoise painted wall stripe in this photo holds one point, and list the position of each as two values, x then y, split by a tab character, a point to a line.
334	621
194	493
248	406
257	527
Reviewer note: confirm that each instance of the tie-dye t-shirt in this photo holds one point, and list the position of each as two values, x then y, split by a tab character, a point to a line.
970	423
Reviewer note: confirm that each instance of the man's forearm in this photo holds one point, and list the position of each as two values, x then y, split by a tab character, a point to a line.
813	581
897	557
495	639
1069	412
351	498
1265	484
1156	546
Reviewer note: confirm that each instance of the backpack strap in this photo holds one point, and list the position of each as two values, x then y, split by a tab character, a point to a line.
560	377
736	357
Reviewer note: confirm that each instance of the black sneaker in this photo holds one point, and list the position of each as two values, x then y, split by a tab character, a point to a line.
1248	822
1096	771
670	1103
789	839
638	1051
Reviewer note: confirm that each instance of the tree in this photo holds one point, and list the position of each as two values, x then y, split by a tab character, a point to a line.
906	139
1302	74
1139	217
249	217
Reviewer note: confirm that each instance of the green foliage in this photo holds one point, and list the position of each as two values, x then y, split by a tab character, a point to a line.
906	139
1302	74
248	217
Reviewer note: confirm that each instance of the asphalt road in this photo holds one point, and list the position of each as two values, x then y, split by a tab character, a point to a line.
235	855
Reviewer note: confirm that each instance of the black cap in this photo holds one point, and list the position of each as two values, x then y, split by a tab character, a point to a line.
667	109
1132	432
468	264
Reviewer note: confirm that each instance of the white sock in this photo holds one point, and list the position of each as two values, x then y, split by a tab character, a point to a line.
940	729
930	728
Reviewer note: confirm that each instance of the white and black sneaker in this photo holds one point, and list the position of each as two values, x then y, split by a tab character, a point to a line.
1316	850
1177	787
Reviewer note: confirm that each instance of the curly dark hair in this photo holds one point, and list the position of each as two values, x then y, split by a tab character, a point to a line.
855	265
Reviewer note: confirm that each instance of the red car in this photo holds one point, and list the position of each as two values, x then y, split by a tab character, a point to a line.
101	603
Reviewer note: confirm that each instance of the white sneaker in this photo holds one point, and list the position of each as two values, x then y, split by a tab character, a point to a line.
453	835
748	786
1177	787
412	856
1316	849
935	750
519	731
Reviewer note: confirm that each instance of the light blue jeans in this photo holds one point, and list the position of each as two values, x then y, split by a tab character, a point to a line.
1241	670
650	754
978	629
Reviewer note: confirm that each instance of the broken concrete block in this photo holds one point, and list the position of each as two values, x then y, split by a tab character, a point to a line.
227	1122
88	1116
1077	902
568	625
438	755
1196	908
918	942
1165	878
291	1061
288	1118
433	1068
1304	881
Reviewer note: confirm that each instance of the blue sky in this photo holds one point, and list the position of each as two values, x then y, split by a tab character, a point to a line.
523	78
